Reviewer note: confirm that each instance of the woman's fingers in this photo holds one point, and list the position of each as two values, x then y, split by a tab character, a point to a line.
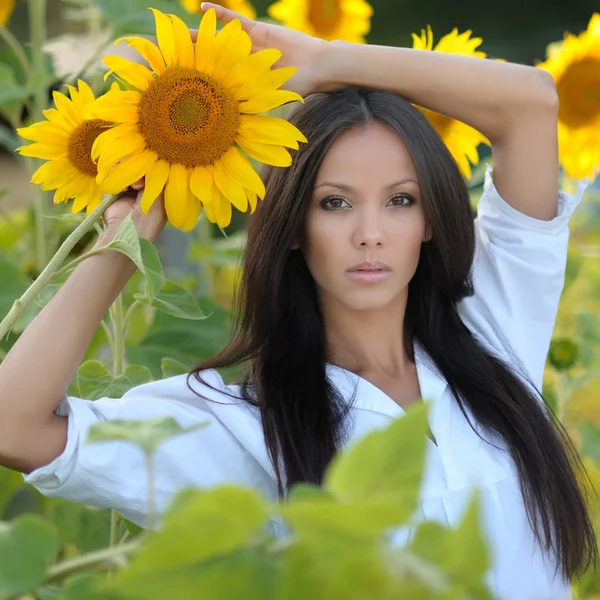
138	185
225	15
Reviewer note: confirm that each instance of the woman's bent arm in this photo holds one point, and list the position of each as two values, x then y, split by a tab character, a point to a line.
514	106
36	373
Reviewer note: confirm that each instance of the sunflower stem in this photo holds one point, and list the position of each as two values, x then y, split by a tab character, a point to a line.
37	81
118	336
55	263
13	43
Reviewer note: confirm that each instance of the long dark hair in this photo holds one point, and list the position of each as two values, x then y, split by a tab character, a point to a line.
279	328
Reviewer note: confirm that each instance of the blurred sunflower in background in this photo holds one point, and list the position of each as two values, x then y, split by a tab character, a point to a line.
243	7
574	63
191	119
6	9
65	140
461	139
347	20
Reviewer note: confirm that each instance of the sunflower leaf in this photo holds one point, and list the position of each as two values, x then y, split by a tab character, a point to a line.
152	268
127	242
95	381
175	300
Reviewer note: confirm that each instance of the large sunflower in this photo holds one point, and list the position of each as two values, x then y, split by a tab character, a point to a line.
243	7
461	139
184	128
65	141
575	65
348	20
6	9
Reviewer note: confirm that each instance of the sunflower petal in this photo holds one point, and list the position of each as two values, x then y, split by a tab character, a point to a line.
201	183
81	201
252	200
205	42
43	151
177	195
226	40
156	179
95	201
164	35
184	49
270	130
230	188
265	153
57	118
137	75
240	170
126	146
149	52
266	101
259	62
223	208
238	49
193	212
44	132
67	108
108	137
128	171
116	113
47	170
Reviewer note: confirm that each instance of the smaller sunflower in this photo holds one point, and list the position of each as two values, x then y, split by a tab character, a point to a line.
461	139
574	64
65	140
6	10
243	7
347	20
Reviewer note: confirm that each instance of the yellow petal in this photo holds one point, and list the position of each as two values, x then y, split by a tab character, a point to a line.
224	43
155	181
230	188
83	199
66	108
177	195
75	182
86	95
164	35
266	101
205	42
137	75
47	170
126	146
44	132
183	43
149	52
259	62
240	170
108	137
116	113
193	213
252	200
57	118
210	211
201	183
94	202
270	130
43	151
128	171
223	208
238	49
265	153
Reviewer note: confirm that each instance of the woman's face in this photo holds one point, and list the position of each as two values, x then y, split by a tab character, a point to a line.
365	224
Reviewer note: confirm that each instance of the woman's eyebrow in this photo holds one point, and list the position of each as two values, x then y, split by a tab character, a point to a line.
348	188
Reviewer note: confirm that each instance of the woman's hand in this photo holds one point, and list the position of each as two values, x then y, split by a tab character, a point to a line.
299	50
148	226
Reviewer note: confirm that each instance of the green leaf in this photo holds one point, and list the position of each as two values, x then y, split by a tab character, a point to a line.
87	528
27	547
8	140
10	483
96	381
137	375
171	367
147	434
10	91
175	300
152	268
191	556
127	242
386	466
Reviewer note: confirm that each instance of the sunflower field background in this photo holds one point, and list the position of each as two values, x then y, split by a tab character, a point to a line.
176	309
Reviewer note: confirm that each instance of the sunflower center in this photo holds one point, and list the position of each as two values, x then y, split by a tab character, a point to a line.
188	118
579	93
80	145
324	15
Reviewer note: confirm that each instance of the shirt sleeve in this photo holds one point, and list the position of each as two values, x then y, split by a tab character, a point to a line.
518	277
112	474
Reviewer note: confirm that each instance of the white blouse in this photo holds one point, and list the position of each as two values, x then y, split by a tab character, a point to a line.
518	277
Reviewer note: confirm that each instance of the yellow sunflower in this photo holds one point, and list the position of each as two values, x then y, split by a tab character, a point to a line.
461	139
348	20
243	7
574	64
65	141
184	126
6	9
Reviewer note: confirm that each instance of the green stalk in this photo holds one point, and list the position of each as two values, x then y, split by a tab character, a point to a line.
55	263
115	557
13	43
37	27
118	337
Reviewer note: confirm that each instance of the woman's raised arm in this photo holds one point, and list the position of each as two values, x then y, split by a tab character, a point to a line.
514	106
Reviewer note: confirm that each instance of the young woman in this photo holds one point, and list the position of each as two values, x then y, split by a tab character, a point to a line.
366	287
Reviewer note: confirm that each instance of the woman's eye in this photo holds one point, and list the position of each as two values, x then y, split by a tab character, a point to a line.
334	203
401	200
